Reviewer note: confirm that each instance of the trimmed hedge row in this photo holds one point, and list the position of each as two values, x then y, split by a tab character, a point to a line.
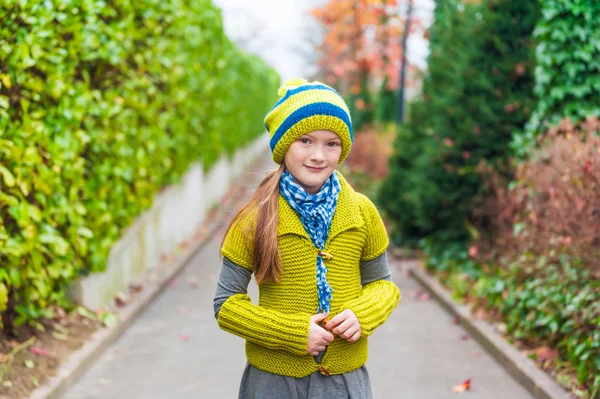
101	105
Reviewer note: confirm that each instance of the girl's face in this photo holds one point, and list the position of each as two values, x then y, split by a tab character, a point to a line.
312	158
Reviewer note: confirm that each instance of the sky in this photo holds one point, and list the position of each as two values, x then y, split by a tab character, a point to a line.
281	31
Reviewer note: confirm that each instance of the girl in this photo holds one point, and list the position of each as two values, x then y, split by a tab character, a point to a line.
317	251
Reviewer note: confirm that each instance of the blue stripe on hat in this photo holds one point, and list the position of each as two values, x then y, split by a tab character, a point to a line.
321	108
300	89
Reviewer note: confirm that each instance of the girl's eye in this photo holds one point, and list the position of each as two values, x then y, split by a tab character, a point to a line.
333	144
304	140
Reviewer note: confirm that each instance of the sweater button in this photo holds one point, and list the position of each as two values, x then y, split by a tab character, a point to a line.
323	371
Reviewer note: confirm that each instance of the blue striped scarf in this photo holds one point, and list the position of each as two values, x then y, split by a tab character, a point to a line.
316	212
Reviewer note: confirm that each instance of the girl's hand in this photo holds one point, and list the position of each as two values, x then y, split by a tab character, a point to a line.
346	325
318	337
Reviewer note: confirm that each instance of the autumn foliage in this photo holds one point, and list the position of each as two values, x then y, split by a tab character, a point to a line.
362	36
555	206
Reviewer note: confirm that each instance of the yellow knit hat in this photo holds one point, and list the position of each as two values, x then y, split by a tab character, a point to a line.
302	108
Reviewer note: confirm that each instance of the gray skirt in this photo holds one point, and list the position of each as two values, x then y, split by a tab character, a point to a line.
258	384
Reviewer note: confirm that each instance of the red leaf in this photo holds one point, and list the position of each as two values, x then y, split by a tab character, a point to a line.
545	353
39	351
424	297
465	386
473	251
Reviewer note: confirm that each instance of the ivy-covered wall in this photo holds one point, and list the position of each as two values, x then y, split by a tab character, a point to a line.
567	75
101	105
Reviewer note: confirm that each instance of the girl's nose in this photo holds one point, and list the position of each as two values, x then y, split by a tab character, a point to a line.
317	155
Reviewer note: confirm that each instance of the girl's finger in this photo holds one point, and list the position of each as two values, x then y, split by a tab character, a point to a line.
342	327
317	318
327	337
335	321
349	332
355	337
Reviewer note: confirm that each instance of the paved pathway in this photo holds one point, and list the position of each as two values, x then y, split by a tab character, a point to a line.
176	350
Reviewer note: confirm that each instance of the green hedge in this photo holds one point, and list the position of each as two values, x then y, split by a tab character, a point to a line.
101	105
567	76
478	90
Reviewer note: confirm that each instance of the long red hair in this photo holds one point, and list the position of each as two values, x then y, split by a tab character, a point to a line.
262	230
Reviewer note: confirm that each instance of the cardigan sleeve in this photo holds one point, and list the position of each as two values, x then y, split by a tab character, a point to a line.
233	279
238	244
374	305
265	327
379	296
377	239
236	314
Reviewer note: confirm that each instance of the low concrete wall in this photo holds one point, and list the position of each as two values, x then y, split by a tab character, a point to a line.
174	217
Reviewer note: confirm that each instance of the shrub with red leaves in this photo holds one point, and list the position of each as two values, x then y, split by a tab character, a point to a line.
554	207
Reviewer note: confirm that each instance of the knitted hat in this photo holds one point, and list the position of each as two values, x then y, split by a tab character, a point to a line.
302	108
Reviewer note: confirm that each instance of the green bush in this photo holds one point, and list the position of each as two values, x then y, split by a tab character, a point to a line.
477	92
387	104
101	105
567	78
554	302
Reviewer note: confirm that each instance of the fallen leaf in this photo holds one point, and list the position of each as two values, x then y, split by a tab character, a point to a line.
173	282
121	299
7	384
424	297
59	336
29	364
35	381
465	386
482	314
135	287
473	251
475	354
456	320
60	328
3	358
184	337
501	328
109	319
464	337
60	313
194	281
545	353
39	351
